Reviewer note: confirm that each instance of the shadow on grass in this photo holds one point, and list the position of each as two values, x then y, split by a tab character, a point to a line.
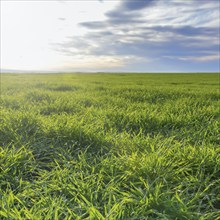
57	143
143	95
59	88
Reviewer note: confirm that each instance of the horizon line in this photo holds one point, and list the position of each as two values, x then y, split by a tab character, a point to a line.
107	72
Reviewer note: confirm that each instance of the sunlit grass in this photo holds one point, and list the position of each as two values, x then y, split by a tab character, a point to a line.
110	146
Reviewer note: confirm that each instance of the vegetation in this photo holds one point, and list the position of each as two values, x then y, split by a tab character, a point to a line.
110	146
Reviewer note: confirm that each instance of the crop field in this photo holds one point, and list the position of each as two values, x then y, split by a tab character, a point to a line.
110	146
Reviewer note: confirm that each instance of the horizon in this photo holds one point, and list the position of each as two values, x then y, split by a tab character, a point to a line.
146	36
99	72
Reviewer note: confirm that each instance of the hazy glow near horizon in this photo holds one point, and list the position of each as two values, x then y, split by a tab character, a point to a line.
109	35
29	30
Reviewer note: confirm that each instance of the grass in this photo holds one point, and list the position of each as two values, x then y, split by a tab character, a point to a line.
110	146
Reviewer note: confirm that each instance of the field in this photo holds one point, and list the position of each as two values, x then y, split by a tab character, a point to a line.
110	146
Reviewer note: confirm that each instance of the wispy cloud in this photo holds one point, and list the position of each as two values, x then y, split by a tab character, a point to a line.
96	63
201	58
62	19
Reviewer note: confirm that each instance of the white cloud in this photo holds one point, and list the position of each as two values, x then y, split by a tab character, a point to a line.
93	63
204	58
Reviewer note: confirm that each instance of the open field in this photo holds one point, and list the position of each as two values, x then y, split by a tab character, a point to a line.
110	146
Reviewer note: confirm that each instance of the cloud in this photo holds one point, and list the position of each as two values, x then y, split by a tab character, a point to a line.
136	5
186	30
201	58
62	19
94	63
93	24
158	39
151	30
207	58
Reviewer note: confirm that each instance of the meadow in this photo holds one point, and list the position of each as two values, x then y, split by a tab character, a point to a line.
110	146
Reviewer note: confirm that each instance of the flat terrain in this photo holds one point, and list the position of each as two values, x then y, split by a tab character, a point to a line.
110	146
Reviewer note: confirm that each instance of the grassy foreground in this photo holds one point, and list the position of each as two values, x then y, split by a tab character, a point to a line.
110	146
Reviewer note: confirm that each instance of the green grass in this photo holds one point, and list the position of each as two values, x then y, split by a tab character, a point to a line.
110	146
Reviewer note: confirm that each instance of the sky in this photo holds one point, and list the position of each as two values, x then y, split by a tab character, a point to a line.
110	35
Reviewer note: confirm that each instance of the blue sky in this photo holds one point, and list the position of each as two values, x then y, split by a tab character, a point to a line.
104	35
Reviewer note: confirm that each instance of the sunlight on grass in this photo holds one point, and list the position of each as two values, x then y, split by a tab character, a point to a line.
108	146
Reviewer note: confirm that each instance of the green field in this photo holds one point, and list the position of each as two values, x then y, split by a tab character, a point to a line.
110	146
